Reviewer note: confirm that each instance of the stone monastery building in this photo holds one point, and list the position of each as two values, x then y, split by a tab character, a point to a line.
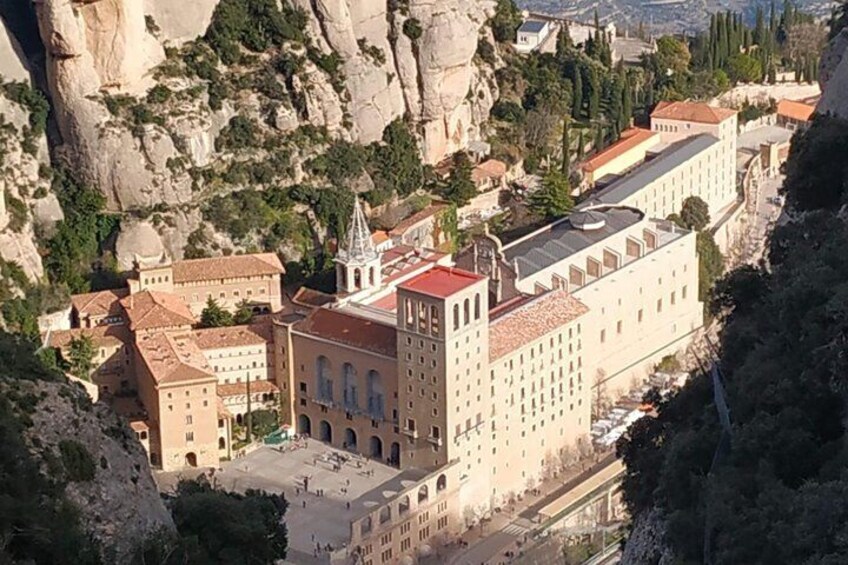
472	375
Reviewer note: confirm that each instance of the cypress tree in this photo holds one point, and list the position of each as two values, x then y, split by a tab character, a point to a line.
626	105
577	102
599	138
760	27
581	146
594	93
566	147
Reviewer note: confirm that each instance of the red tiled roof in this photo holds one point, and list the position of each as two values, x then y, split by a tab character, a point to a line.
233	336
404	260
387	303
379	237
491	169
353	331
417	218
227	267
151	309
312	298
532	321
795	110
630	139
240	389
441	282
101	336
103	303
692	112
172	358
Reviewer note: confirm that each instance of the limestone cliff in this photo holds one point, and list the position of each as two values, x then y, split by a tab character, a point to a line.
27	205
103	51
834	77
103	466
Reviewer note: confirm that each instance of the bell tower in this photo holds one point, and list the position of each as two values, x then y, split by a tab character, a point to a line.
358	264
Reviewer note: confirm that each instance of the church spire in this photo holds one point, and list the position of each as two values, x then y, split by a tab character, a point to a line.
359	247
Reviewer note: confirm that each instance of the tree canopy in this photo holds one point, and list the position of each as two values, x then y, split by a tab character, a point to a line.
777	496
553	198
214	316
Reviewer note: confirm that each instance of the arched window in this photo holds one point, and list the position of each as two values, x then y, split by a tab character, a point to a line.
351	400
441	483
456	316
466	312
376	395
476	306
423	494
357	279
434	320
323	382
371	276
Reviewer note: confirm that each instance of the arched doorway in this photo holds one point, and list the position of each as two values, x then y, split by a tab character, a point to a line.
304	425
376	446
191	459
222	443
239	419
350	439
325	431
394	455
441	483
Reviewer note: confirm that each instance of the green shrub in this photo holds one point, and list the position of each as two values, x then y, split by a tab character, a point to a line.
79	466
18	213
159	94
240	133
33	100
412	29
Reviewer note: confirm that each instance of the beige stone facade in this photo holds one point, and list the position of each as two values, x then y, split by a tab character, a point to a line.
180	387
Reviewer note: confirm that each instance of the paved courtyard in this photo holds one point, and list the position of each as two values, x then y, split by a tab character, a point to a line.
338	476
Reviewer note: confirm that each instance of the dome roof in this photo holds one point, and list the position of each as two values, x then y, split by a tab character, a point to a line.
588	220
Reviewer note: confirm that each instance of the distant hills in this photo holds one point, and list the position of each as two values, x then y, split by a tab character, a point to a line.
662	16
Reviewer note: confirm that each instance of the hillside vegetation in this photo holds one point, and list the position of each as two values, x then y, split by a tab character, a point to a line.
778	495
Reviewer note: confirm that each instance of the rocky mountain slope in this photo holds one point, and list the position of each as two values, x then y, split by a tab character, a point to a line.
834	77
141	104
28	205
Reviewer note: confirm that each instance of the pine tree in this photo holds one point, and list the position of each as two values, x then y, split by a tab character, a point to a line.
213	316
577	101
553	198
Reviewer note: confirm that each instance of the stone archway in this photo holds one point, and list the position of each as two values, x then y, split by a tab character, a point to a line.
304	425
350	439
325	431
394	454
376	448
191	459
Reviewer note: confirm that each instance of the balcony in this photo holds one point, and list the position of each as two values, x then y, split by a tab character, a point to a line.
437	441
413	433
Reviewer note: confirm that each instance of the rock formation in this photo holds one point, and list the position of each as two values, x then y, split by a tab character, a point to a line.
111	484
432	79
104	48
834	77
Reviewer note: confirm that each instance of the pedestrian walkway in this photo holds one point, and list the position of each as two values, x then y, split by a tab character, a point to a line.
514	529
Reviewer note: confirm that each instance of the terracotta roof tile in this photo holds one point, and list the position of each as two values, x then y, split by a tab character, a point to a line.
102	336
379	237
353	331
630	139
233	336
795	110
227	267
173	358
692	112
441	282
532	321
103	303
240	389
417	218
490	169
150	309
312	298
